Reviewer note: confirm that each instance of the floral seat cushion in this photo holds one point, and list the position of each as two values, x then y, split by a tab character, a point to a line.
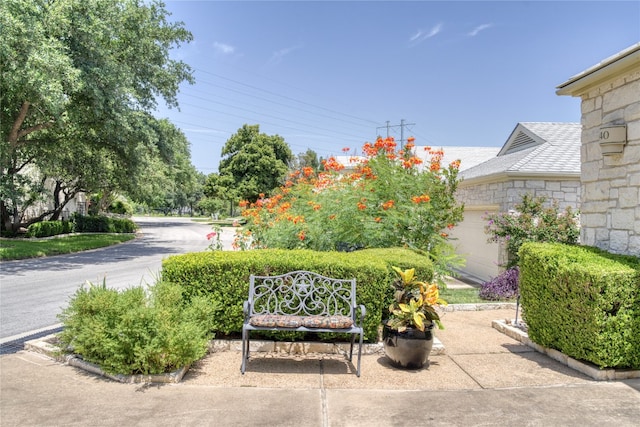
327	322
273	320
289	321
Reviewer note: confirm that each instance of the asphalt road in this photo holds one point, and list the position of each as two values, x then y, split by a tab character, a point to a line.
34	291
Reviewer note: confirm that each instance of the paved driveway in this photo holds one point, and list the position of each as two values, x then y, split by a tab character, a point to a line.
32	292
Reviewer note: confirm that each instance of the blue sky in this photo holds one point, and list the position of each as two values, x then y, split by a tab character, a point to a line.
329	74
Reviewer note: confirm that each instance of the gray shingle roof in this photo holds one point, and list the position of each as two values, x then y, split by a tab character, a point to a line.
550	148
468	156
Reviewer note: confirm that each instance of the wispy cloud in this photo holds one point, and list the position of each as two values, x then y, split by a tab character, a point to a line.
479	28
422	35
278	55
224	48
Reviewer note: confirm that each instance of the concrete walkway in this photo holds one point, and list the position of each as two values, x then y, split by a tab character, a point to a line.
484	378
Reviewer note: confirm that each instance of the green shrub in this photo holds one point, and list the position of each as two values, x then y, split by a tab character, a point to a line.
103	224
132	332
121	207
49	228
224	277
583	302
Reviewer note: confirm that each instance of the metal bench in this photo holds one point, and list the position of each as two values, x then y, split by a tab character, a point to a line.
302	301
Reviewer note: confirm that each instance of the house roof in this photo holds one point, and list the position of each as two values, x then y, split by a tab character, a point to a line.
622	62
535	148
468	156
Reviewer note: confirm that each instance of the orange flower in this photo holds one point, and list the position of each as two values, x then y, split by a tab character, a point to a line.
301	235
421	199
308	171
377	219
410	139
332	216
455	164
450	226
388	204
346	149
445	235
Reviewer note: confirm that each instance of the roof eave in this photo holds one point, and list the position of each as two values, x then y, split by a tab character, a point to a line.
504	176
614	65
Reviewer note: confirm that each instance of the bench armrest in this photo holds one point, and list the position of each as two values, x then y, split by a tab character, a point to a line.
246	309
363	312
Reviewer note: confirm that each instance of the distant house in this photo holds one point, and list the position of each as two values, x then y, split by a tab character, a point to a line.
541	159
610	162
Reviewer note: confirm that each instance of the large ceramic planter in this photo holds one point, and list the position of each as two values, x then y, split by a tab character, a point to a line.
409	349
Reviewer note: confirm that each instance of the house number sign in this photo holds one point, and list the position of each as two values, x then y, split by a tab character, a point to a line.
613	134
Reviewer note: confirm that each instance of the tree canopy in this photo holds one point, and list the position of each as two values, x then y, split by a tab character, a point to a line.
256	162
79	79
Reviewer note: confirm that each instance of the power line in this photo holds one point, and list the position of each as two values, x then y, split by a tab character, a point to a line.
402	125
287	97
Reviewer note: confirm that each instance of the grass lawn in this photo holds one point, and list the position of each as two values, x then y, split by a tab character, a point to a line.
11	249
465	296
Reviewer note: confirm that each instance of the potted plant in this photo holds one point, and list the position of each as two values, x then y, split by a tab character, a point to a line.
408	332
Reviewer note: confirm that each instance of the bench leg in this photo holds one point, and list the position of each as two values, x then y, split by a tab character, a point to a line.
245	350
353	339
359	353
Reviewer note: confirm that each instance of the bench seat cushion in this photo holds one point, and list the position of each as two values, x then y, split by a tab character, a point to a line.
289	321
273	320
327	322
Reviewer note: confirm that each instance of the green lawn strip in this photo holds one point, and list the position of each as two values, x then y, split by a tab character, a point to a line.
12	249
465	296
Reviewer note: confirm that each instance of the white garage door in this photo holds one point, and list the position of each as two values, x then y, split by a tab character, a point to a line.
481	257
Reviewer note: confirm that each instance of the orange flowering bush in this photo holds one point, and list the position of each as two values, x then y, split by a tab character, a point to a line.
386	198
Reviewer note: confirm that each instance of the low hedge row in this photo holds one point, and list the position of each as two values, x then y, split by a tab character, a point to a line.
82	224
103	224
49	228
583	302
224	278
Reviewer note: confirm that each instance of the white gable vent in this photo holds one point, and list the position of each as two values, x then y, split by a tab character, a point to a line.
521	142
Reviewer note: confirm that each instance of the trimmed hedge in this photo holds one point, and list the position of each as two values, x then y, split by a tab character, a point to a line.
583	302
103	224
224	277
49	228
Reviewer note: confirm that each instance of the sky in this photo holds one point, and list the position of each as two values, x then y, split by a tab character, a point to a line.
332	75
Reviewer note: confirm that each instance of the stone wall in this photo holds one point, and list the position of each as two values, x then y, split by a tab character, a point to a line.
610	211
505	194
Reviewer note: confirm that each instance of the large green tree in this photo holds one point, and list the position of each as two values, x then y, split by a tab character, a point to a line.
77	76
256	162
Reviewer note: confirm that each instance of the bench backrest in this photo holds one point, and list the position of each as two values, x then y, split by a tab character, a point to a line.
302	293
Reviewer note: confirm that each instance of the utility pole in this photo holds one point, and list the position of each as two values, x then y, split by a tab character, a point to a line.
402	125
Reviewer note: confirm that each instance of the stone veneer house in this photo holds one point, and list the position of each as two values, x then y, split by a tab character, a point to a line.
610	167
541	159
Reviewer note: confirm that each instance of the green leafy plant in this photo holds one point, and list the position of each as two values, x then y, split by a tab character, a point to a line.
214	238
531	221
387	198
415	302
135	332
